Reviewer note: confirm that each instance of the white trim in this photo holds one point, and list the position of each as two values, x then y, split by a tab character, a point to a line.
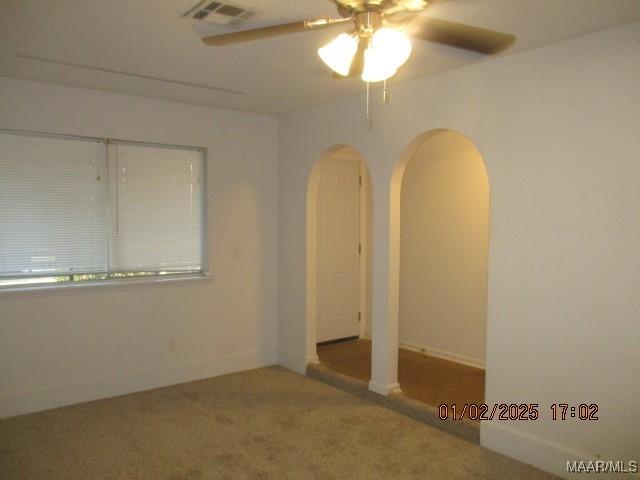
452	357
113	282
43	398
539	452
364	214
384	389
295	362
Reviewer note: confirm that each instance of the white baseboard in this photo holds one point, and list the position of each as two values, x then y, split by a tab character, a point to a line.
543	454
37	399
295	362
452	357
384	389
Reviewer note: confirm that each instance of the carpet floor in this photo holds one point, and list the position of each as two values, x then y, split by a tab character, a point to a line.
262	424
424	378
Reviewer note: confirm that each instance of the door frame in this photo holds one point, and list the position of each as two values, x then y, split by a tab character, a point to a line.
313	185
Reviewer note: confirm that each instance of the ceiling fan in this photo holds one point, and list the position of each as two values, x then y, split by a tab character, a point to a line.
380	43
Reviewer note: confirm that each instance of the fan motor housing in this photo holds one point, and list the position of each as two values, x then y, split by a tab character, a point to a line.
368	21
364	5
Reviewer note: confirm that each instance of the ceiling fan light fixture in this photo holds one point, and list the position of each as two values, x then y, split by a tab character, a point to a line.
338	54
389	50
393	45
377	66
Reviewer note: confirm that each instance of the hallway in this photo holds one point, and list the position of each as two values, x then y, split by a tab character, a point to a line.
424	378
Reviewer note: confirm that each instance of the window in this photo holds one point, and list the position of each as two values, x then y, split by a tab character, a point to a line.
79	209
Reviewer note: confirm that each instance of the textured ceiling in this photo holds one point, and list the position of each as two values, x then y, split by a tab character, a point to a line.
149	38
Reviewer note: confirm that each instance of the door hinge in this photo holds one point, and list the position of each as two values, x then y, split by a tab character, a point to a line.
359	316
360	180
359	249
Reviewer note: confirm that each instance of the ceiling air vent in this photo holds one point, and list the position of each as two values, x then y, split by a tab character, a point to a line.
219	13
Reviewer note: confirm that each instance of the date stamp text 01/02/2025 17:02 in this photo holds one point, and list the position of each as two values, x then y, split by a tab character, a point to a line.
531	411
517	411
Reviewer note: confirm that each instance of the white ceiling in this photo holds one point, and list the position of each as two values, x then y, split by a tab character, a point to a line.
149	38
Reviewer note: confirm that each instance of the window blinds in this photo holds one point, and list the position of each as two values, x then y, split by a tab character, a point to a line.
157	205
53	207
70	206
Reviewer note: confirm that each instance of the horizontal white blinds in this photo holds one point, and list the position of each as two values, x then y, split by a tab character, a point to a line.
53	205
156	205
70	206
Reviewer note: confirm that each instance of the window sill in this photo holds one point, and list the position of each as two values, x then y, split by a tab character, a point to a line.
205	277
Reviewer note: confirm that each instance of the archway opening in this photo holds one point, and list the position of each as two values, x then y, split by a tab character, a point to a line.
339	260
442	232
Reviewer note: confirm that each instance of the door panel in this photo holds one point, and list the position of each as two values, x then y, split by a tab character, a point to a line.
338	256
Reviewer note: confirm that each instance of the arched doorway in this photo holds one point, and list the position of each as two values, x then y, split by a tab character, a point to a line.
338	250
439	261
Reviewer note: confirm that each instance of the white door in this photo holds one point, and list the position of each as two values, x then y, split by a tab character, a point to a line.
338	283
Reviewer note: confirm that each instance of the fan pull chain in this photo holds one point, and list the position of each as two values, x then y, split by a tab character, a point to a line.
386	97
369	106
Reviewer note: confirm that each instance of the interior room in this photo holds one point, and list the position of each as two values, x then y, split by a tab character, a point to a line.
319	239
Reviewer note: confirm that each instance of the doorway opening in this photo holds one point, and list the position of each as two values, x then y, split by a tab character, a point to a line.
439	238
338	255
442	226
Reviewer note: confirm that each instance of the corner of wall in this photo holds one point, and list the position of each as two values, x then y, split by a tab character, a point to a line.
293	361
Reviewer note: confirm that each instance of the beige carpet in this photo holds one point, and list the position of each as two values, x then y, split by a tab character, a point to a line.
424	378
262	424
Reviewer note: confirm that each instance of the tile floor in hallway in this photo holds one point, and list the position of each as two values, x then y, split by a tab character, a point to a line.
424	378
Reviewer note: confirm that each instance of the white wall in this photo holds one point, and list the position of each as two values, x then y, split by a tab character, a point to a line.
65	346
558	130
444	250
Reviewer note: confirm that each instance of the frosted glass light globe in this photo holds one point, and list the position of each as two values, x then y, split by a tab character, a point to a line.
338	54
377	66
394	45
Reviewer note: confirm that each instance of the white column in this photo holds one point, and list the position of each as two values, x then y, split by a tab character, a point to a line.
384	318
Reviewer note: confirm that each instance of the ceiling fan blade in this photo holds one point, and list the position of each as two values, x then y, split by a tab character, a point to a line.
409	6
271	31
475	39
255	34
